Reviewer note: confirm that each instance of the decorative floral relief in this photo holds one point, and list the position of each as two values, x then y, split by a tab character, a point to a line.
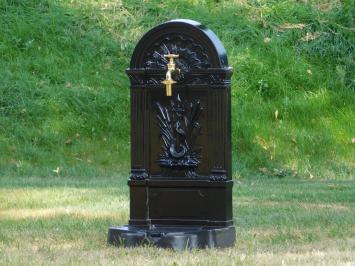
139	175
179	129
218	174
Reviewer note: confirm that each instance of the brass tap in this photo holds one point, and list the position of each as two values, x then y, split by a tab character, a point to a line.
171	68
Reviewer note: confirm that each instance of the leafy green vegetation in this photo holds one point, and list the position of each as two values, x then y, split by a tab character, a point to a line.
64	113
64	221
64	95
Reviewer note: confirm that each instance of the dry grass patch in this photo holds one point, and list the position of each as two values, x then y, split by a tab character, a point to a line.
152	256
294	204
18	214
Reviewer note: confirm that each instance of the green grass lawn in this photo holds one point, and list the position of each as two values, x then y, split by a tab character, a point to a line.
64	94
65	220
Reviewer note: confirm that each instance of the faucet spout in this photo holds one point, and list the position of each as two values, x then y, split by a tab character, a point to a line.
168	76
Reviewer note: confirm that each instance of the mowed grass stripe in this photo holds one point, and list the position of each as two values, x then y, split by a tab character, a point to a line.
72	216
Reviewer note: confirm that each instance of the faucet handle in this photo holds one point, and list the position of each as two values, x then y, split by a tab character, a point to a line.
171	56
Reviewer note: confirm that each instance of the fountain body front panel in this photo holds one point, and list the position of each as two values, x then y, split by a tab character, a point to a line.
180	182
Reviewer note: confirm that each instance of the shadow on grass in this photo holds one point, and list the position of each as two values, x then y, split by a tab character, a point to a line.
265	225
79	211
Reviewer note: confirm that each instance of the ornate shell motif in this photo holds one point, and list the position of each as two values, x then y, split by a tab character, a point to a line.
191	54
